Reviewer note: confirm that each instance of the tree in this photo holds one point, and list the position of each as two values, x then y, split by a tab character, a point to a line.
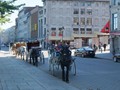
7	8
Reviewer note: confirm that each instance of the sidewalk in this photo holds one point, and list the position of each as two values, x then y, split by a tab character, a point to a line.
20	75
104	55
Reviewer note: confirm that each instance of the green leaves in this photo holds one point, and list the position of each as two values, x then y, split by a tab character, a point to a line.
7	7
4	19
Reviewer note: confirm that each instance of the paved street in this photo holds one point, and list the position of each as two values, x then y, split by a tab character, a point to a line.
100	73
16	74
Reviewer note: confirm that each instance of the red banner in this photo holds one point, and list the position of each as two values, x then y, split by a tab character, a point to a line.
53	34
106	28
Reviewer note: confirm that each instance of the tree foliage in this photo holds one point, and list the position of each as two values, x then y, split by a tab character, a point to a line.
7	7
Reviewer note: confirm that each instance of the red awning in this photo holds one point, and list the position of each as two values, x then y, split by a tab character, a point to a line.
106	28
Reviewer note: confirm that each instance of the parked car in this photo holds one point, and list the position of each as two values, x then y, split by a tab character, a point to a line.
85	52
116	57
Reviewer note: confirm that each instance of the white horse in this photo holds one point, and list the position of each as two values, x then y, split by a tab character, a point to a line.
54	61
28	54
41	57
21	51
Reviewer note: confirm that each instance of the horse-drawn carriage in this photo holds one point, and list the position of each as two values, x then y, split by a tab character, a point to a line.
18	49
30	50
35	54
54	58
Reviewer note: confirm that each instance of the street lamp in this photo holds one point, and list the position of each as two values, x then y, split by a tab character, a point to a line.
47	35
61	33
113	44
0	39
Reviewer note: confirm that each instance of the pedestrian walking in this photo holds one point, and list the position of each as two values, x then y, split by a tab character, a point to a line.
95	47
100	47
104	46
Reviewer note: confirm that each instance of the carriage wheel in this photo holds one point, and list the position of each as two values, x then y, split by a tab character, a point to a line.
73	67
42	58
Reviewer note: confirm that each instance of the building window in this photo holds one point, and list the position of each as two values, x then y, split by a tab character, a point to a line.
44	21
97	4
76	11
82	30
53	31
88	31
41	12
114	2
76	30
88	3
96	22
60	31
44	3
76	20
75	4
89	11
82	3
44	11
96	12
35	27
44	31
82	21
82	11
89	21
115	21
53	28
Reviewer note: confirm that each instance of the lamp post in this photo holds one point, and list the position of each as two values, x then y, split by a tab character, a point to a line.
0	40
47	38
62	30
47	35
113	42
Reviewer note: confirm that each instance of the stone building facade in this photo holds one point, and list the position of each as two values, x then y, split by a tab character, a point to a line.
23	24
115	27
76	21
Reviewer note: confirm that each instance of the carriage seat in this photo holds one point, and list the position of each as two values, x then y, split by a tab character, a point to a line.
38	48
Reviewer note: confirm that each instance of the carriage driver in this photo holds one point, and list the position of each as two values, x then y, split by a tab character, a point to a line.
65	61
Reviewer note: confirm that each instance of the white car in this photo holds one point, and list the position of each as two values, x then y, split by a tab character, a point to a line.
116	57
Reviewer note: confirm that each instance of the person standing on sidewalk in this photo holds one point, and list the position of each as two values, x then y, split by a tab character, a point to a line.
100	47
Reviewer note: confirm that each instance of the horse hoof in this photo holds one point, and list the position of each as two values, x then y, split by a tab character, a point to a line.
67	81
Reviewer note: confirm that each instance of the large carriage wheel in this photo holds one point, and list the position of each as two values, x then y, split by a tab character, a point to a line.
54	63
42	57
73	67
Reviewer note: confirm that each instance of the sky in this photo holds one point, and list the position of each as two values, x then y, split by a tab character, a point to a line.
14	15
